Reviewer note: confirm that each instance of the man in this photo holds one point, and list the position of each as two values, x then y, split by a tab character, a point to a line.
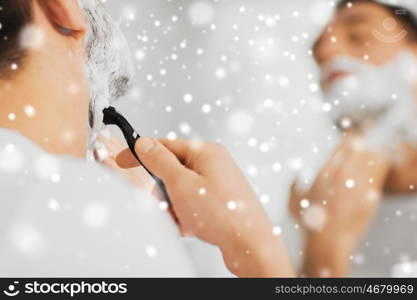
368	56
51	207
62	217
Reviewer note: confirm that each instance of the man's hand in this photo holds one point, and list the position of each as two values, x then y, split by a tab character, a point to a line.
213	201
107	147
339	207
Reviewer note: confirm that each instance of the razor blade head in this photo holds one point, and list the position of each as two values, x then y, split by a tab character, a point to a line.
110	116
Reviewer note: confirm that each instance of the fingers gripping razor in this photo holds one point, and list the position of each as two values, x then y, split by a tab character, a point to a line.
112	117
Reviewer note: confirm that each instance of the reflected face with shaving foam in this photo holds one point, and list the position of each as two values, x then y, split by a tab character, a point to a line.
365	31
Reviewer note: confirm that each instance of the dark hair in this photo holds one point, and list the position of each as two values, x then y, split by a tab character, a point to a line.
403	15
14	15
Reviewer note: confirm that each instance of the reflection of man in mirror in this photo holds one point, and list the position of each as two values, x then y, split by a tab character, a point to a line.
368	58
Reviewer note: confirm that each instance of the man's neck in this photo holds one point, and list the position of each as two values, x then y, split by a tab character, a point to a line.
41	115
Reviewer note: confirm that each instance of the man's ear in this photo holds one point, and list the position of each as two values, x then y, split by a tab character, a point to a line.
66	15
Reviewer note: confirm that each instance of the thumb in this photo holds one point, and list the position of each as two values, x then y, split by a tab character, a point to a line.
158	159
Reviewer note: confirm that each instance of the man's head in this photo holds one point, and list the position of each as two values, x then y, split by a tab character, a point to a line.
59	60
367	55
366	30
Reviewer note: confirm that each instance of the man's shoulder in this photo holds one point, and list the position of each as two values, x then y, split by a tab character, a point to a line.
68	206
20	155
27	171
10	138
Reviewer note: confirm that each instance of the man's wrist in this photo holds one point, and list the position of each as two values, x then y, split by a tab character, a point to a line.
257	252
327	254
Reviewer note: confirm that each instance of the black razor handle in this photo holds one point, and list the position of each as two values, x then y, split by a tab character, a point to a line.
112	117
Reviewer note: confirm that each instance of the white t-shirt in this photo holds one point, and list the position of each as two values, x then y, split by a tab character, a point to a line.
60	216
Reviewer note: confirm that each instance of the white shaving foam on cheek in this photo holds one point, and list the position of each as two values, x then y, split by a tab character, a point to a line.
380	99
109	68
361	95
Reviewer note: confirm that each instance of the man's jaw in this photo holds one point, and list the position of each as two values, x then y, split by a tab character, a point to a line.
109	67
